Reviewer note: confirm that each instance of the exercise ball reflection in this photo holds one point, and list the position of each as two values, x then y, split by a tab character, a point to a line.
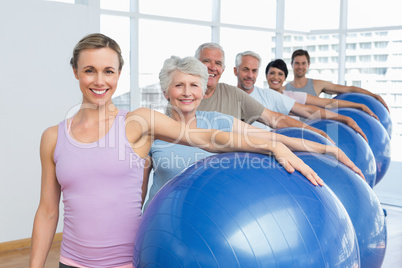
352	144
360	202
377	137
377	107
244	210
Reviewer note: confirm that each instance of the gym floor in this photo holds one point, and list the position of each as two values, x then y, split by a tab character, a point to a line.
393	256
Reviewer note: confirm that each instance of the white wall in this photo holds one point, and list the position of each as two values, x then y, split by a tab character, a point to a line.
37	89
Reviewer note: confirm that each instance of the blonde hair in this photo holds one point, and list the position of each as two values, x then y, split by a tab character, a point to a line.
95	40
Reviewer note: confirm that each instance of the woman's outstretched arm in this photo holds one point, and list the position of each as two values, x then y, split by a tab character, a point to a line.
144	125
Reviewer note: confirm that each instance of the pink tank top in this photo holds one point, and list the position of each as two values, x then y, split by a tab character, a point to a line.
101	184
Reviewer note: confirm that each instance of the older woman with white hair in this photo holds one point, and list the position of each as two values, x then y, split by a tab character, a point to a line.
183	82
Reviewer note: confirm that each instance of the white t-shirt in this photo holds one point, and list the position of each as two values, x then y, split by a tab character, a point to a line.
273	101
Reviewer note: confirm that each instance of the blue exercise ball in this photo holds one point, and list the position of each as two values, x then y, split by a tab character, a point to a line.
360	202
352	144
377	137
244	210
377	107
303	133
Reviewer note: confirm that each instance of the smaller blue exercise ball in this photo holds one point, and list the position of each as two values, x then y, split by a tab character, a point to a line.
360	202
244	210
377	137
377	107
352	144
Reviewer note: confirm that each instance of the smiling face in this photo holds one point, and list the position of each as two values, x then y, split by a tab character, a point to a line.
213	59
300	66
275	78
247	72
98	73
185	93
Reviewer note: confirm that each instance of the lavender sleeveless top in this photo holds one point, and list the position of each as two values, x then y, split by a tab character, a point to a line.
101	184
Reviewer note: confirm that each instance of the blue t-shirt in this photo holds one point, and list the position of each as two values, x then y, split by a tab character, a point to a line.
273	101
168	159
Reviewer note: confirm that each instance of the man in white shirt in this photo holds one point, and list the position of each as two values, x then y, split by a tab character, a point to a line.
246	69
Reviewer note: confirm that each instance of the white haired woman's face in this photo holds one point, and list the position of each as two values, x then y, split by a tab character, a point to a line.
185	92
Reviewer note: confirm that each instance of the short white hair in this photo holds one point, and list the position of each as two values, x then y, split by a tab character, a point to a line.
210	45
247	53
187	65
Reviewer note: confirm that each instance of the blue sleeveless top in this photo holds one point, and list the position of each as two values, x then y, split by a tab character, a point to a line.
169	159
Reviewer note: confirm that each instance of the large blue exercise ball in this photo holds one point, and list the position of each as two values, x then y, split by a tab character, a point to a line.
377	107
377	137
244	210
303	133
360	202
352	144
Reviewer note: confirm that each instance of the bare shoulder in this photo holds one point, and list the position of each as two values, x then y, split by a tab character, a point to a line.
138	124
140	116
50	134
139	111
320	83
49	141
143	114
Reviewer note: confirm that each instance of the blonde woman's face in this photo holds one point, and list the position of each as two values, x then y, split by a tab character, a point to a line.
98	74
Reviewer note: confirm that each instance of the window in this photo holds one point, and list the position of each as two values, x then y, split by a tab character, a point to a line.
381	71
351	59
368	34
323	59
260	44
255	13
365	45
366	58
327	15
381	33
368	71
311	48
381	58
119	5
164	29
381	44
194	10
323	47
373	9
156	47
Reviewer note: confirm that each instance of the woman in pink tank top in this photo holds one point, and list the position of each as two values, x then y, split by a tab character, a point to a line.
96	159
